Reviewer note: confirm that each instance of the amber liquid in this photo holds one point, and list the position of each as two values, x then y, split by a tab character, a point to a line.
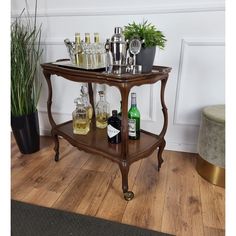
101	120
81	126
90	112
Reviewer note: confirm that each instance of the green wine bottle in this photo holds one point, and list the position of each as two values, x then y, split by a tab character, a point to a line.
134	119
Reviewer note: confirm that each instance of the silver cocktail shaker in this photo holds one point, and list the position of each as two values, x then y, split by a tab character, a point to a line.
118	50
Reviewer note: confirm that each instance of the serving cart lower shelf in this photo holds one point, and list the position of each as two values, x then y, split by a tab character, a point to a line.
96	142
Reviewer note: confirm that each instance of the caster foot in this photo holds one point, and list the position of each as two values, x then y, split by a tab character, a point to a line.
129	195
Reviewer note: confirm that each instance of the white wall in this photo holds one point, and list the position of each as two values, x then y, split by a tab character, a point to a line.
195	51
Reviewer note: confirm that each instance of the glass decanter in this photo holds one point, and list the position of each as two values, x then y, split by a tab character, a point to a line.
85	101
81	124
102	111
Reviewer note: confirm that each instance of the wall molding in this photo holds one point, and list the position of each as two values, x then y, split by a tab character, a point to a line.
105	11
186	42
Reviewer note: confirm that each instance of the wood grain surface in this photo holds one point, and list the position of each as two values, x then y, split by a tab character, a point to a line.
175	200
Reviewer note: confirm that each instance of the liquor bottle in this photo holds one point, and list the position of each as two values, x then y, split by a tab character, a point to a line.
96	37
81	124
102	111
88	59
134	119
77	38
87	38
85	101
78	50
113	128
96	51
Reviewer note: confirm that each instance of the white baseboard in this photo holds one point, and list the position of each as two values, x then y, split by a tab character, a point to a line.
181	147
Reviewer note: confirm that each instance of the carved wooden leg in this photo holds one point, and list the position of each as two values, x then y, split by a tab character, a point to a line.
56	147
159	154
124	169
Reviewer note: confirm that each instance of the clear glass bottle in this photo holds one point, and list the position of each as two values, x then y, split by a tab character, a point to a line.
97	56
78	50
96	37
86	102
102	111
81	124
87	38
134	119
114	128
87	52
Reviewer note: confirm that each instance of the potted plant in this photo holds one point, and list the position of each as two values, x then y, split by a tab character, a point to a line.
150	37
25	89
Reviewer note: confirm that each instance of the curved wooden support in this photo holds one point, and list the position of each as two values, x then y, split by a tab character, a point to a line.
159	154
56	147
124	91
49	101
90	91
50	117
124	169
164	108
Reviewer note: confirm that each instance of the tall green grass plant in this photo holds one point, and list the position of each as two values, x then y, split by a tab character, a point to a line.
25	55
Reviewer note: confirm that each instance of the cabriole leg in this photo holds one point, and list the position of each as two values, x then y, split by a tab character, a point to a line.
56	147
124	169
159	154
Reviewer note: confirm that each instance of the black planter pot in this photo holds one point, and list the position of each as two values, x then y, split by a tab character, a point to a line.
146	59
26	132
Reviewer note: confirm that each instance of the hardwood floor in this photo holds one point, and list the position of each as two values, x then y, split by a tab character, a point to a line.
176	200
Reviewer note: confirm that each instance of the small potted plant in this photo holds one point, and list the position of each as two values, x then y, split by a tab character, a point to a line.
150	37
25	56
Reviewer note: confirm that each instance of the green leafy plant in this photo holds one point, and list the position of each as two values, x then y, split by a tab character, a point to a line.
147	32
25	56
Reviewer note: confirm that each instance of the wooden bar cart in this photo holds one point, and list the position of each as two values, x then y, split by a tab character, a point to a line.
128	151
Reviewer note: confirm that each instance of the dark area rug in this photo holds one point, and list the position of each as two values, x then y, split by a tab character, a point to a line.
32	220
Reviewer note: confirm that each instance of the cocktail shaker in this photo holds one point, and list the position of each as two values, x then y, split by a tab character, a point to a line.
118	49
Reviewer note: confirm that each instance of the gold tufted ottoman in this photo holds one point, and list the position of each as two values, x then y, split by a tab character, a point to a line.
211	145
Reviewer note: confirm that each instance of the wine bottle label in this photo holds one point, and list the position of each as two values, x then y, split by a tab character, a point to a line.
132	127
111	131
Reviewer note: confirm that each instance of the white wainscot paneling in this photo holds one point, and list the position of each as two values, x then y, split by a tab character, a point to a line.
200	79
197	77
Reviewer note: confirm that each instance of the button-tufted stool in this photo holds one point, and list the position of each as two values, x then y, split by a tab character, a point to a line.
211	145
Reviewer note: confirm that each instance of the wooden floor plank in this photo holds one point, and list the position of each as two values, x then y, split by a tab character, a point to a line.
209	231
149	198
213	200
113	205
97	163
182	208
176	200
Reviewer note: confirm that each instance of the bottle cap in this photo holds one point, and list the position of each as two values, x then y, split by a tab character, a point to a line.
114	112
84	89
118	30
